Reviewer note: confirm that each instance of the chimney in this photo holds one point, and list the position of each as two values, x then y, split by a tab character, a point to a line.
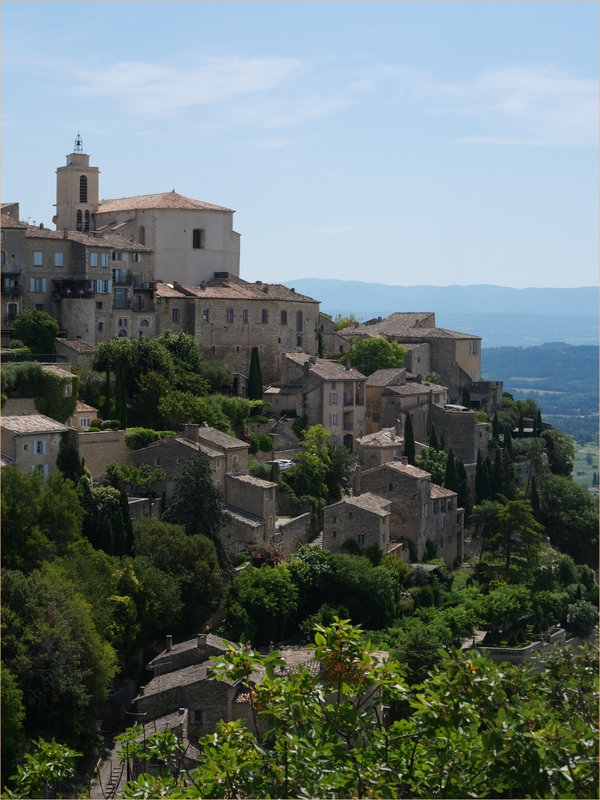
379	319
356	324
41	226
142	690
201	641
312	359
169	644
190	432
306	366
292	289
347	364
398	426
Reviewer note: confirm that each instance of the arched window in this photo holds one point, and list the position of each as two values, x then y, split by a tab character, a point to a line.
122	333
83	189
142	235
12	310
79	219
143	323
86	217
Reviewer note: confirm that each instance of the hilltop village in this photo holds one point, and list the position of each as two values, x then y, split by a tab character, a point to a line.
237	421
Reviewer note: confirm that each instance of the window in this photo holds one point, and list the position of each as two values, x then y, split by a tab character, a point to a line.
102	287
473	347
116	256
37	258
136	257
98	304
245	315
41	468
122	333
120	298
175	315
442	522
230	315
198	239
83	189
12	311
424	510
25	448
157	462
360	538
85	422
58	260
104	260
333	419
284	317
93	259
37	284
142	235
86	223
334	519
143	323
267	494
198	717
3	258
450	504
39	306
333	384
333	398
39	447
334	534
68	390
349	515
206	315
100	327
435	506
299	341
390	487
2	235
79	219
298	320
265	316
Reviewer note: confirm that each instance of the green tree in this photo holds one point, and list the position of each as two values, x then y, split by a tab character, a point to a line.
261	604
466	397
369	355
517	534
40	518
340	471
13	716
433	461
218	374
409	440
255	382
178	408
495	429
451	476
191	560
68	461
320	343
197	500
433	440
151	388
570	516
104	523
561	451
37	329
134	357
482	484
344	321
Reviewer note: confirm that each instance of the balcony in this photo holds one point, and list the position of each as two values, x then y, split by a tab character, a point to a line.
144	286
122	277
8	289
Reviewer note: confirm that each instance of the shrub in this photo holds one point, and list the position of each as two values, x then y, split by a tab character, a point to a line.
114	425
583	618
261	441
96	422
93	429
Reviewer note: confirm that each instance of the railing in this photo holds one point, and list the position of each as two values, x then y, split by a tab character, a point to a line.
12	289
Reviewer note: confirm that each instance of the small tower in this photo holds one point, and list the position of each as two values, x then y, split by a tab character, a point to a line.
76	191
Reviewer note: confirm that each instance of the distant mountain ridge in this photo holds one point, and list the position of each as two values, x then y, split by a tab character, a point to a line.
501	315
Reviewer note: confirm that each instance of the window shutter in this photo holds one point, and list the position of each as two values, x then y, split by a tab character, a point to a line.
32	284
109	287
43	284
44	447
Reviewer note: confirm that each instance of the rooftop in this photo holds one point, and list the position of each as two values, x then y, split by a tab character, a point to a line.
370	502
77	345
440	491
6	221
164	200
33	423
252	481
384	377
219	438
115	241
386	437
328	370
411	325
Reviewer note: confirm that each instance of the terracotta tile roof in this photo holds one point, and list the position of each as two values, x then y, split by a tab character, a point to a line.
78	345
168	290
328	370
192	644
234	288
440	491
220	438
406	469
195	446
33	423
370	502
383	377
163	200
6	221
285	390
252	481
62	373
387	437
81	408
408	389
113	241
409	325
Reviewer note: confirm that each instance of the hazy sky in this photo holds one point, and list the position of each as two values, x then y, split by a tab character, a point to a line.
395	142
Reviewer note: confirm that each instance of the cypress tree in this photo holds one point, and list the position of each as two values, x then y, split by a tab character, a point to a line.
497	483
127	524
508	445
255	384
466	397
489	476
409	440
464	496
521	426
480	487
508	474
537	425
107	404
442	444
451	477
535	498
433	442
320	344
495	428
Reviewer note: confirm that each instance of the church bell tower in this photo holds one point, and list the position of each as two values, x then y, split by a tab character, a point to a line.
76	192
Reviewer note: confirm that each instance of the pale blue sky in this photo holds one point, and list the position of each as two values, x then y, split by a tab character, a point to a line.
396	142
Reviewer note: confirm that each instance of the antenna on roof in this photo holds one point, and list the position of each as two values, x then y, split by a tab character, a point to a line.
78	144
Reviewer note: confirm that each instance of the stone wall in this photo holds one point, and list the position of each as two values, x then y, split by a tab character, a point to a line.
99	449
291	533
19	406
343	521
461	432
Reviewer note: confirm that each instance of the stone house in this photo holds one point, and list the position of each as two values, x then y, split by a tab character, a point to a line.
454	356
328	393
32	442
420	510
250	503
364	519
76	351
82	416
100	448
378	448
461	432
394	393
13	268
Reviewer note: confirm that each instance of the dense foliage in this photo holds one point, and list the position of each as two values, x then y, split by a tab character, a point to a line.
369	355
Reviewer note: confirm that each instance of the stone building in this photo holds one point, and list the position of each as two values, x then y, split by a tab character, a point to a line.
32	442
364	519
378	448
250	503
394	393
82	417
328	393
420	510
461	432
455	357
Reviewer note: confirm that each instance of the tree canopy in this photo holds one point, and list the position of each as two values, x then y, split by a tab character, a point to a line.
37	329
369	355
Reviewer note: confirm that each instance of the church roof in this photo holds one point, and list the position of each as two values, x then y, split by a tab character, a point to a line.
164	200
